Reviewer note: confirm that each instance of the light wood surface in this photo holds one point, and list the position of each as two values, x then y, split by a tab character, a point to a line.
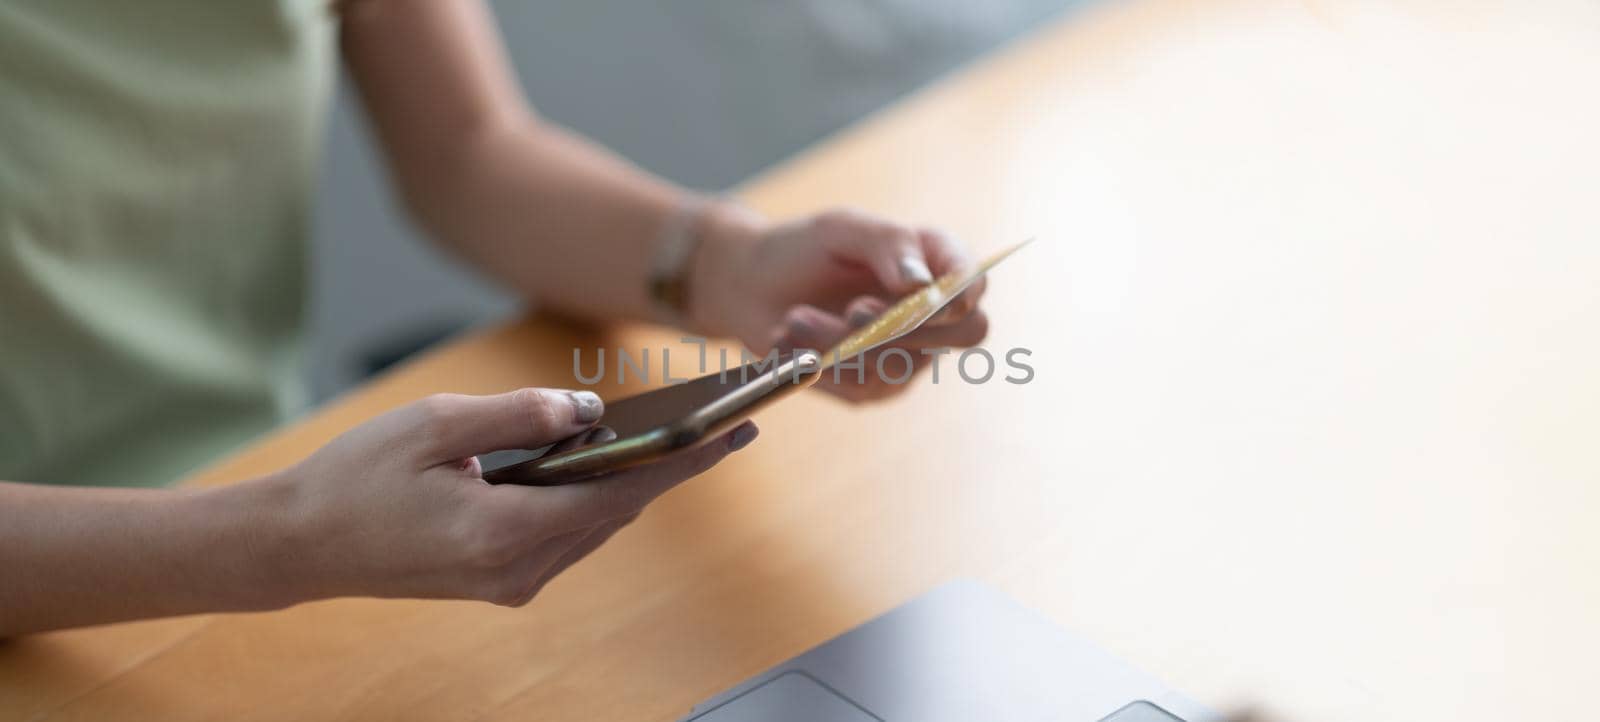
1314	428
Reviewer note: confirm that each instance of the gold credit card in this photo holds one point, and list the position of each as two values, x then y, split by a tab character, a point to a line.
914	310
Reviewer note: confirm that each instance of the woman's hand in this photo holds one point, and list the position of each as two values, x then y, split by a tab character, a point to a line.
810	283
398	507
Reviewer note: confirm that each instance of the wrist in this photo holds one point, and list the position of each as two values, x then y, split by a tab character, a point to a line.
729	233
259	543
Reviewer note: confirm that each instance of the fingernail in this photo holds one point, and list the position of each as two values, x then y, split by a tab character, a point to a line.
861	318
586	407
742	436
915	271
602	435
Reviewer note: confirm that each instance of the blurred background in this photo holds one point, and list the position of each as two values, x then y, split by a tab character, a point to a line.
704	92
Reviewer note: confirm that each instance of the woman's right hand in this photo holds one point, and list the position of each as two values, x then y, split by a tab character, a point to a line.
397	507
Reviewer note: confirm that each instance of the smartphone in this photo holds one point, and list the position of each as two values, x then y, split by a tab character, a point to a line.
662	422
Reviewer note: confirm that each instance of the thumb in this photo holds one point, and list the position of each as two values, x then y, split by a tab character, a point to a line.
453	426
894	253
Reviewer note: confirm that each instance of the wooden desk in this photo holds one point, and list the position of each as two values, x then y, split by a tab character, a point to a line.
1314	426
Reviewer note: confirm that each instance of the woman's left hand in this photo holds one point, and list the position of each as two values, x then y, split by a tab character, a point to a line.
809	283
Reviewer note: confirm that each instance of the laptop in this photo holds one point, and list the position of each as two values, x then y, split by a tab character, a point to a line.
961	653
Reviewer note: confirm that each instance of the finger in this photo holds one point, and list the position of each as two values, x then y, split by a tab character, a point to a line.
886	370
892	251
883	372
945	254
963	304
872	387
616	495
809	327
864	310
453	426
968	331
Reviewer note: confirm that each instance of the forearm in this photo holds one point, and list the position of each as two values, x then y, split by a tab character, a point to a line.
566	223
544	211
79	556
553	216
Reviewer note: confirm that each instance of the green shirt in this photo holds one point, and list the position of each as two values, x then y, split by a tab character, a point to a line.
156	160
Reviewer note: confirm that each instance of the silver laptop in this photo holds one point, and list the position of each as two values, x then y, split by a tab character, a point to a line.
963	652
